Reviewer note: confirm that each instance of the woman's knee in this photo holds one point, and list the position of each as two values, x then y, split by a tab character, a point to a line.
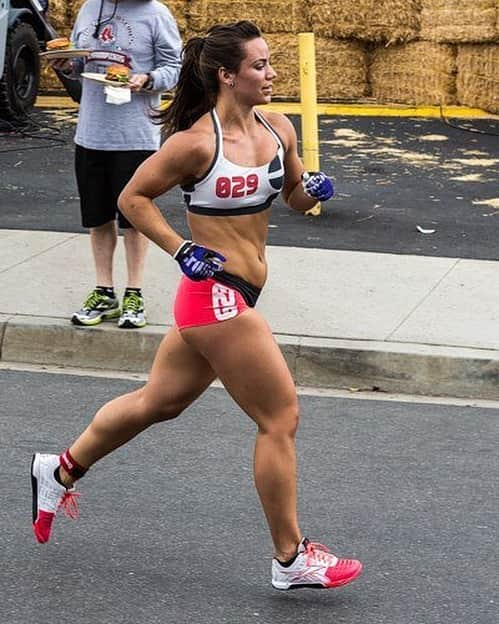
281	422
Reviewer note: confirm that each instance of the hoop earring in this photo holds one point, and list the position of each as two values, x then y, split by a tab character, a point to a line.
232	84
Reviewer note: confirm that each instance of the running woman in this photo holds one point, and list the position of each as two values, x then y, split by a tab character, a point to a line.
231	162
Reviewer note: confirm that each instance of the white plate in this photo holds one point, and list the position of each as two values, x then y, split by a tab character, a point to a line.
102	78
64	54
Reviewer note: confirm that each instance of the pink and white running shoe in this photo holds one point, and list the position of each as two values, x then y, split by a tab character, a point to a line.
49	495
314	566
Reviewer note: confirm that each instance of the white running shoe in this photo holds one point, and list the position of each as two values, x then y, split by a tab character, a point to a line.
98	307
314	566
49	495
133	315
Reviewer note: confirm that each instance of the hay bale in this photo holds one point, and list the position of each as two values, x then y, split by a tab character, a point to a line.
190	34
459	21
341	68
60	16
180	11
73	7
270	15
48	80
284	57
478	76
369	20
416	73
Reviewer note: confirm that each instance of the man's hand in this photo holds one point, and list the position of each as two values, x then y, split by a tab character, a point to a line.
138	81
317	185
197	262
62	65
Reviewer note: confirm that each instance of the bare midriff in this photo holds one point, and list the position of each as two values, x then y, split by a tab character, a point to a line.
241	239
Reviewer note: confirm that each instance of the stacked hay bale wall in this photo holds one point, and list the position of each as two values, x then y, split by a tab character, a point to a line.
478	76
368	20
458	21
401	51
473	28
341	67
272	16
425	68
179	12
60	18
400	69
284	48
419	72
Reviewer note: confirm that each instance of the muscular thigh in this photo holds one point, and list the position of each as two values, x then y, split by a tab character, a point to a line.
244	355
179	374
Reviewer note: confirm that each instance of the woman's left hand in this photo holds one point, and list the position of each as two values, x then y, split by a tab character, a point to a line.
317	185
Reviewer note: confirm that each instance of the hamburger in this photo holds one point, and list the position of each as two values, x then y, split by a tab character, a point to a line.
118	73
61	43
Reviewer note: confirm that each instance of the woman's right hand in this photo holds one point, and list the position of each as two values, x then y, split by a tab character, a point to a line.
197	262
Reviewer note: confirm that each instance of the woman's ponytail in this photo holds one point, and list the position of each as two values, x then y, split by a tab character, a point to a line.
191	99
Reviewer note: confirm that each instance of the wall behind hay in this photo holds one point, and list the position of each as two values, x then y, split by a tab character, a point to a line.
400	51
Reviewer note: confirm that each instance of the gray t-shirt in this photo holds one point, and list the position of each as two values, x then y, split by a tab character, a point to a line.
147	33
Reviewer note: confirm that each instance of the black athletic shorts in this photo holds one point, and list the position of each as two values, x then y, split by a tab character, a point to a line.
101	176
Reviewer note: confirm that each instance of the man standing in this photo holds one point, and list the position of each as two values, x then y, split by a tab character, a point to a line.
115	134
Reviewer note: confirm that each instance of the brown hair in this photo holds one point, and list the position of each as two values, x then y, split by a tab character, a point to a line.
198	85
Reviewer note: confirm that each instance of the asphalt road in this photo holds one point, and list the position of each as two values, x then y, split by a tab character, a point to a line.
391	175
171	530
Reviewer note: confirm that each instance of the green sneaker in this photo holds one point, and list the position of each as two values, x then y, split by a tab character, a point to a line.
133	315
97	308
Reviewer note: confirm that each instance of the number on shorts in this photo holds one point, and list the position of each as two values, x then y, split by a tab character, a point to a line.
224	302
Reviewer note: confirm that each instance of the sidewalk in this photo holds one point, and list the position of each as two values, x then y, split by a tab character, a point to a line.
405	324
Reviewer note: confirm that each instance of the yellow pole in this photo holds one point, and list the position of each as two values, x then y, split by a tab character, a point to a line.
308	97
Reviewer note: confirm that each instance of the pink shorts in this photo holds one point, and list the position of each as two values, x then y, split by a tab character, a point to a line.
206	302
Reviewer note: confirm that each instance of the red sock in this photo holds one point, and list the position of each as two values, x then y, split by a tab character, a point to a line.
71	466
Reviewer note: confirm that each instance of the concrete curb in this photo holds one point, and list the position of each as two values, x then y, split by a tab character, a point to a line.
321	362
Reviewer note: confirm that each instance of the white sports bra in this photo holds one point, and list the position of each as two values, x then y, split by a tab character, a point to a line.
228	189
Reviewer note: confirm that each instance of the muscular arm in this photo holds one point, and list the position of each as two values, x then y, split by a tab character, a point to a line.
292	191
181	157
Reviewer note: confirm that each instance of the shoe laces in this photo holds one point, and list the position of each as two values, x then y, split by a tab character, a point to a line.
318	553
69	505
132	303
93	300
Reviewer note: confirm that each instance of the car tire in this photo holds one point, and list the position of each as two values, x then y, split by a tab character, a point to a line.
21	78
